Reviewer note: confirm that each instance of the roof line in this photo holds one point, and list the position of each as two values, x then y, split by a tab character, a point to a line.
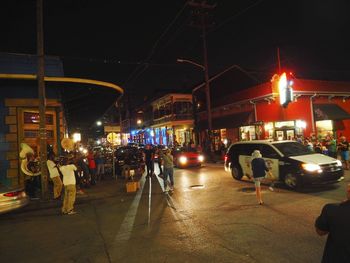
63	79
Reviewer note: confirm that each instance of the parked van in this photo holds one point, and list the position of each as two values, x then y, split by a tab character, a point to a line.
289	161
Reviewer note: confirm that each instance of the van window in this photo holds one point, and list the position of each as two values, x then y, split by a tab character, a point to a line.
268	152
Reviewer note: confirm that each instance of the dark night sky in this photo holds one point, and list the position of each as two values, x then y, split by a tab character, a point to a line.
108	40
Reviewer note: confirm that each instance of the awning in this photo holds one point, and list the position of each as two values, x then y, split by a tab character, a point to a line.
329	112
229	121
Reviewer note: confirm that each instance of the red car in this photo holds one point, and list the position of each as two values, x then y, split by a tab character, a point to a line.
187	157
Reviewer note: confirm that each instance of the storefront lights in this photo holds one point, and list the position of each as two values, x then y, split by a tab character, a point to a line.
300	124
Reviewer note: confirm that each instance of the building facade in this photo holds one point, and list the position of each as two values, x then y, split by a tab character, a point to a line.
318	108
19	115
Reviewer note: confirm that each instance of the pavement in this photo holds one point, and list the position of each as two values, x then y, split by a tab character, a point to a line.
106	188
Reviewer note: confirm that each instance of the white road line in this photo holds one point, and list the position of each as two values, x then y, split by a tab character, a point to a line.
129	220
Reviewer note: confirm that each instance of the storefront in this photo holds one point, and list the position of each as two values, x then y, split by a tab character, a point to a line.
317	108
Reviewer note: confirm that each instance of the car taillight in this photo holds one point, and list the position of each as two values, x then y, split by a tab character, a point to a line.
13	194
225	158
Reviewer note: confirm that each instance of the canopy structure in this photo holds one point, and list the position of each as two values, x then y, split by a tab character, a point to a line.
330	112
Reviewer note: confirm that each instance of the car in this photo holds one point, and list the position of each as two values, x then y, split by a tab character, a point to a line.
289	161
134	154
184	157
12	199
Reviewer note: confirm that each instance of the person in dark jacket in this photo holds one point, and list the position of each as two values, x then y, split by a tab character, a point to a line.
259	169
334	222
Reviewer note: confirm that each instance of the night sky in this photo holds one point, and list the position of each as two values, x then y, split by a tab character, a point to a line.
135	43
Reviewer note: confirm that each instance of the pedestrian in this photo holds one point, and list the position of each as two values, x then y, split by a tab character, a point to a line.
54	175
259	169
331	145
69	183
92	167
160	161
168	163
149	158
100	165
344	151
334	222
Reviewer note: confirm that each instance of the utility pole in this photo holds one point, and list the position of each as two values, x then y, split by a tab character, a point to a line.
201	12
42	100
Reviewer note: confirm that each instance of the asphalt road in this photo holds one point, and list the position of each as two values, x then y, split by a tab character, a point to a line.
209	218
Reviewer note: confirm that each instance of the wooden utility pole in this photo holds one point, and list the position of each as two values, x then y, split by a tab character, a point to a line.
42	100
201	12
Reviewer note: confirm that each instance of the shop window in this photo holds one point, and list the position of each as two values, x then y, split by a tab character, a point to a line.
324	128
247	133
33	118
284	124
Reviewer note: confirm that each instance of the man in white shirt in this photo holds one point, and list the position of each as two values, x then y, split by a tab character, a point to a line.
69	188
55	176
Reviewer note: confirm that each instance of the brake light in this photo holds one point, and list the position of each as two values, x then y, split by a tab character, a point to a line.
13	194
225	158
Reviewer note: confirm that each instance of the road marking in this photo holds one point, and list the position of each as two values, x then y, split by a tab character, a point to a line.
149	200
129	220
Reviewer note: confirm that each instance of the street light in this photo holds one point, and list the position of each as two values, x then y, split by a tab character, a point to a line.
99	123
207	93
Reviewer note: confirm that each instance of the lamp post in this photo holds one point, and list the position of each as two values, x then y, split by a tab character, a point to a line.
207	90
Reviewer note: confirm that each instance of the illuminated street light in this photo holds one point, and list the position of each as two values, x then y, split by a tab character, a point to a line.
99	123
76	137
139	121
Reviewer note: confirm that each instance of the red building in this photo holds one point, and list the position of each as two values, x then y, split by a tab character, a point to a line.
318	108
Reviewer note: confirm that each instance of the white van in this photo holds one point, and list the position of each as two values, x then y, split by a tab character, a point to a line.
289	161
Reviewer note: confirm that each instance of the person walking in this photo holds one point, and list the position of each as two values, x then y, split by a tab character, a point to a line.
54	175
100	164
92	167
160	161
344	151
334	222
259	169
168	165
69	183
149	158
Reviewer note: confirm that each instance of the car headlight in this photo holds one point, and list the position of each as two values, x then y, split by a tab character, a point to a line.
183	159
339	163
310	167
201	158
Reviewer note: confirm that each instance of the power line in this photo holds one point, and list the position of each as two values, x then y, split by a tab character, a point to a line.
235	16
131	76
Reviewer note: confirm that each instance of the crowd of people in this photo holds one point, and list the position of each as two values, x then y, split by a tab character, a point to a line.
329	146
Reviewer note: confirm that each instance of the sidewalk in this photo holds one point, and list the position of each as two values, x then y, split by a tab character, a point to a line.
104	189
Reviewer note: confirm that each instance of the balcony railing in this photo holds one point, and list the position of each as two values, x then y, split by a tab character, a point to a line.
175	117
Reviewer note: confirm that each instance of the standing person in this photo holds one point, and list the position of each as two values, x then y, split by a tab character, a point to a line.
160	160
69	182
331	145
92	167
344	151
259	169
149	158
168	162
334	222
54	175
100	164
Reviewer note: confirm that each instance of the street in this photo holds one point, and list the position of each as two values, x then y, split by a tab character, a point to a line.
209	218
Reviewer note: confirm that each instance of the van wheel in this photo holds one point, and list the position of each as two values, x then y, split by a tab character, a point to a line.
236	172
292	181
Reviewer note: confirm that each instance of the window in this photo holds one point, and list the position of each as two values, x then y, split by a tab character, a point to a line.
267	152
33	118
